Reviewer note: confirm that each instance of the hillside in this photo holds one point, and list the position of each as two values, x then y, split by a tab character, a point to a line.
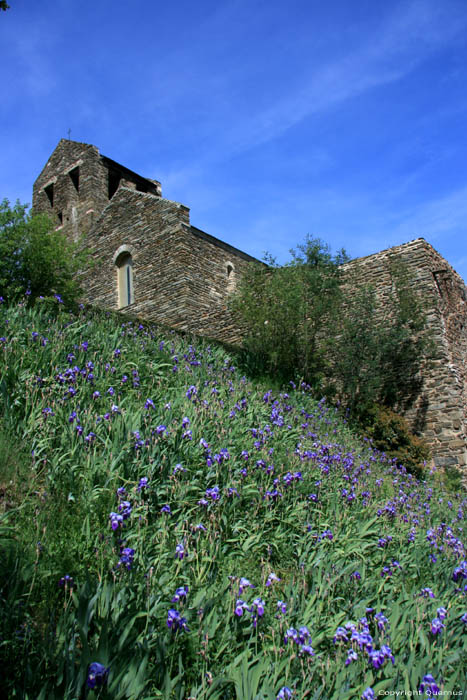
171	529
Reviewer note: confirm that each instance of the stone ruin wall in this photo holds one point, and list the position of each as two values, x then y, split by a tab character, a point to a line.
439	413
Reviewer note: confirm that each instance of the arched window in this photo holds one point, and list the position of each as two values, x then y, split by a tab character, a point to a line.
124	265
230	276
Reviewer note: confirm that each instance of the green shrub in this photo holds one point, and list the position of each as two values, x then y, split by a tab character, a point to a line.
390	434
35	259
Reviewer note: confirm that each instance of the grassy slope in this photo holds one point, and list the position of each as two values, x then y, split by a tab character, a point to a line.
258	482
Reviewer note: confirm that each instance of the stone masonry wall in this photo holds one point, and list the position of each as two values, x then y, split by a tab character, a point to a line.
151	229
440	411
215	269
181	276
78	180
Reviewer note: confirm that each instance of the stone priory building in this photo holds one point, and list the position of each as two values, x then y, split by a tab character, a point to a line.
150	261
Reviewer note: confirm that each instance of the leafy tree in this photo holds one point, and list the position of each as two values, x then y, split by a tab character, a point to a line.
379	348
34	258
289	311
4	5
310	319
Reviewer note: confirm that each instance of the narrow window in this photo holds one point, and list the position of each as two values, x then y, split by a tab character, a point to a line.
49	190
230	274
124	265
74	176
114	181
60	216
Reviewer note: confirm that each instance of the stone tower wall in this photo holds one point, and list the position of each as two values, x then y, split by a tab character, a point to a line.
440	411
77	184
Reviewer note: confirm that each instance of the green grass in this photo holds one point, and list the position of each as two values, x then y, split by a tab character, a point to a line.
65	451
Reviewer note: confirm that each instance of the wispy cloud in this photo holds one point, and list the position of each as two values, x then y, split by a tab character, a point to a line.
438	219
378	55
395	49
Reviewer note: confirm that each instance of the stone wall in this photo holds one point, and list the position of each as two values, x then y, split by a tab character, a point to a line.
440	411
77	183
151	230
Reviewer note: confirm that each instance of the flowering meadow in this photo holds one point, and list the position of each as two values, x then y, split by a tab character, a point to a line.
171	529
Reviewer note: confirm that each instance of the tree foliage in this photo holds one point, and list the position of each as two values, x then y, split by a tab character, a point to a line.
310	319
287	311
34	258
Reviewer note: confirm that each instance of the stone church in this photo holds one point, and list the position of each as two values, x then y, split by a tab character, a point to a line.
149	259
151	262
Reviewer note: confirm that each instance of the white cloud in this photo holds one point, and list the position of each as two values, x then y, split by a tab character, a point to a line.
411	35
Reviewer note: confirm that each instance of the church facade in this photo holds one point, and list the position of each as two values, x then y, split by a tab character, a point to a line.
150	261
147	257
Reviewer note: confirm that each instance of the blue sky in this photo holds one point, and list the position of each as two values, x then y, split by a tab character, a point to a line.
269	119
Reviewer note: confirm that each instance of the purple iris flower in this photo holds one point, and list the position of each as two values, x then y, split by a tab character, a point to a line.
340	635
240	606
381	620
180	551
306	649
97	675
191	393
303	634
379	656
284	693
173	616
272	578
436	626
426	593
351	656
244	583
143	482
124	507
166	509
291	634
126	557
180	593
368	694
213	493
115	520
460	571
428	685
259	605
